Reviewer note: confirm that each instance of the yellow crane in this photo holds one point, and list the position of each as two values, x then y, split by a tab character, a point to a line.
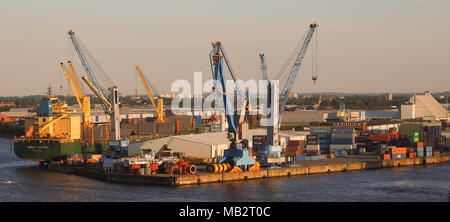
160	107
83	101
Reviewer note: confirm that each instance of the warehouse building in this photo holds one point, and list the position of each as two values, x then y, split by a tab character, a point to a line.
423	106
206	145
303	117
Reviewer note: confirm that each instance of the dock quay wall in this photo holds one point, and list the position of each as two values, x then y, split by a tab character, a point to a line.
180	180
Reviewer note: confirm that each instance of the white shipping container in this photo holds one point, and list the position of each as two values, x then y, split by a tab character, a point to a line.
337	147
312	148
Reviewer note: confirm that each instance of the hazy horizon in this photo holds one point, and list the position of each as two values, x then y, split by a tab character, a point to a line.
365	46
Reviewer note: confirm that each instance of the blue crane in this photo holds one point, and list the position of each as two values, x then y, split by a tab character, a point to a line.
217	57
237	155
111	107
293	72
273	148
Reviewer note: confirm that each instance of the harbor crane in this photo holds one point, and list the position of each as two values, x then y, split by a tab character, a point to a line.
83	101
111	106
237	155
287	78
159	108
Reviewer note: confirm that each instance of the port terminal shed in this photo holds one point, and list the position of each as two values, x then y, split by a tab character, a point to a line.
205	145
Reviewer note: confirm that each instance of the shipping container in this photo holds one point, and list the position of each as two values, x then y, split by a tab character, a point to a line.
397	150
343	141
380	137
411	155
418	149
398	156
337	147
385	157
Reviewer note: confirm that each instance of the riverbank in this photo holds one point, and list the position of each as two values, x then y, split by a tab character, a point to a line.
341	164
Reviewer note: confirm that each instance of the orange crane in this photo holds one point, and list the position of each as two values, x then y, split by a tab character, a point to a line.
160	107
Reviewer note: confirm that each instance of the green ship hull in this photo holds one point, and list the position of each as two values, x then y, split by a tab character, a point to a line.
41	151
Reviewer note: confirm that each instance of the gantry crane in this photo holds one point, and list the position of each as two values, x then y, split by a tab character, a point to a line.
111	106
277	102
158	108
237	155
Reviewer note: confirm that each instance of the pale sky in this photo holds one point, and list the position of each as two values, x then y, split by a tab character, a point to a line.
364	45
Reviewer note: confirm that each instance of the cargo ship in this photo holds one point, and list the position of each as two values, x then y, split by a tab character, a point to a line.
56	132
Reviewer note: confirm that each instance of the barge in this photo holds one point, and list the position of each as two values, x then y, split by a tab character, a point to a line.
341	164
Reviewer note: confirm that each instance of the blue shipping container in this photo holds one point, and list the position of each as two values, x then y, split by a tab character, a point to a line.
418	149
398	156
198	120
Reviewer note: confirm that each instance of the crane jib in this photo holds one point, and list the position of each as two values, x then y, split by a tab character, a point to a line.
284	95
83	58
217	57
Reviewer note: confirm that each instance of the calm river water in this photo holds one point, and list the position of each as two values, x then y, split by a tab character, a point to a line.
419	183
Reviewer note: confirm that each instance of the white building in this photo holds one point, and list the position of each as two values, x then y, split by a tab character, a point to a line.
206	145
423	106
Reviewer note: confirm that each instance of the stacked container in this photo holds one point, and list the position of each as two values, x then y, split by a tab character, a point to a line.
432	136
418	148
343	139
323	135
414	137
398	152
294	148
303	158
428	151
343	136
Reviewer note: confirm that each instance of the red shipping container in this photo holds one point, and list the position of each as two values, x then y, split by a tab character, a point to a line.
419	144
295	142
380	137
293	148
411	155
385	156
135	166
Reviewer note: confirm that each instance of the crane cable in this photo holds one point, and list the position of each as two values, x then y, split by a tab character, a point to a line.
70	58
315	60
283	73
155	91
101	74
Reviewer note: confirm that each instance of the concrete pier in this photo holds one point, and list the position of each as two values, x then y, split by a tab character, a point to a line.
350	163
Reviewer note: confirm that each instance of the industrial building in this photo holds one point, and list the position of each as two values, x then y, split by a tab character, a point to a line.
423	106
206	145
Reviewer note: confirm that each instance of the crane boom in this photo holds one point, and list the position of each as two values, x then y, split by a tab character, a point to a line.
287	87
83	58
97	92
159	108
72	86
217	57
147	88
238	154
75	79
